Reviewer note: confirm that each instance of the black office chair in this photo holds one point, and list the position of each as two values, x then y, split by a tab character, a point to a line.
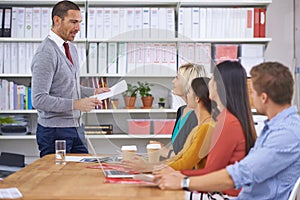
10	163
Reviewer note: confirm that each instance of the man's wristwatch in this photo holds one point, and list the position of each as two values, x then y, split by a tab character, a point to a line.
185	183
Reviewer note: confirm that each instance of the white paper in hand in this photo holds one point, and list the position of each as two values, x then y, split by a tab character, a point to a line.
114	90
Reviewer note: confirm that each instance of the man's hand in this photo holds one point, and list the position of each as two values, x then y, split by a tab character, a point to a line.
86	104
171	181
101	90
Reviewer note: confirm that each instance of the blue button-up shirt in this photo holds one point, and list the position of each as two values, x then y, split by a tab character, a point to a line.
272	166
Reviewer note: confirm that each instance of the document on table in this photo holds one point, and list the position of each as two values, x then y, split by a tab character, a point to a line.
114	90
10	193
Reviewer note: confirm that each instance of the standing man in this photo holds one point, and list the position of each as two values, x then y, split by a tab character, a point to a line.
272	166
56	92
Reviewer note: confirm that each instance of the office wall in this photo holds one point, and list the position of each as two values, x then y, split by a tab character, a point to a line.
280	29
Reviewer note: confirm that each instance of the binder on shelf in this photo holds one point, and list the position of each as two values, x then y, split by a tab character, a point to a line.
170	23
180	23
112	58
130	58
102	58
7	22
99	24
1	21
107	21
36	22
7	58
139	58
29	56
195	23
21	58
256	22
14	58
83	24
129	22
164	59
122	58
146	22
11	95
92	56
28	22
122	22
115	24
156	70
154	27
162	22
203	55
14	22
20	22
1	58
81	49
202	22
148	58
172	58
46	21
138	22
187	21
262	22
250	22
92	21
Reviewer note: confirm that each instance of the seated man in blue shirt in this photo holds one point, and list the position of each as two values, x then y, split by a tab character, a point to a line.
272	166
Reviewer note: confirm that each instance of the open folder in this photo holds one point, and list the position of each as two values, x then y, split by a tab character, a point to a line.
114	90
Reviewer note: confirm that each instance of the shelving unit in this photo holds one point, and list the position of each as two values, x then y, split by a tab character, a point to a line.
107	143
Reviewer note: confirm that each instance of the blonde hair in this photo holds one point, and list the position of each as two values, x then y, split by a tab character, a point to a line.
190	71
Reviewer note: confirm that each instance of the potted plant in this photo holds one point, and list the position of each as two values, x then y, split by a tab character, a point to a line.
6	120
144	90
130	96
161	103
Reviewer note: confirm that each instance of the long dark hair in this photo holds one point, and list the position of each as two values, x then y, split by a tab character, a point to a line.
231	80
200	88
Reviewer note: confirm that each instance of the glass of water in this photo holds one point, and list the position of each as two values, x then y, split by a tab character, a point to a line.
60	152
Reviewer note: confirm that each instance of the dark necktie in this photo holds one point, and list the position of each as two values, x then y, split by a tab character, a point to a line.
67	50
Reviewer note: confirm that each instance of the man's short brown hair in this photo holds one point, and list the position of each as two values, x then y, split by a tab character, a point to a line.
275	80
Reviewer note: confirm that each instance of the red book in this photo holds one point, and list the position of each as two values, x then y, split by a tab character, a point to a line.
256	22
262	22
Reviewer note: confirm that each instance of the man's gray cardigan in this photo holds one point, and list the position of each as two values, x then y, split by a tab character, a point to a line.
55	85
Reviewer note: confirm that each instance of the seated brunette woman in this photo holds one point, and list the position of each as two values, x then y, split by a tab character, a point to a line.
186	119
234	132
193	154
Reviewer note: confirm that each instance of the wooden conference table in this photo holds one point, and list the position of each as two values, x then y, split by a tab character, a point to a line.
43	179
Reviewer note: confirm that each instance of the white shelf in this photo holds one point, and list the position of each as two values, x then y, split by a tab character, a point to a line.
15	75
95	75
182	2
210	40
35	2
133	40
120	111
225	2
133	2
10	39
108	111
126	76
18	111
113	136
143	2
227	40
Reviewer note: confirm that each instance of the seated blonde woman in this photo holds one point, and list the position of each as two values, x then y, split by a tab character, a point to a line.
186	119
195	149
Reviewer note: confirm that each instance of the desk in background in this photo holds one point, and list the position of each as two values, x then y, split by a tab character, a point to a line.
45	180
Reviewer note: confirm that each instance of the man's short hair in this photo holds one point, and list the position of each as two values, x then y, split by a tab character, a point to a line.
61	8
275	80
